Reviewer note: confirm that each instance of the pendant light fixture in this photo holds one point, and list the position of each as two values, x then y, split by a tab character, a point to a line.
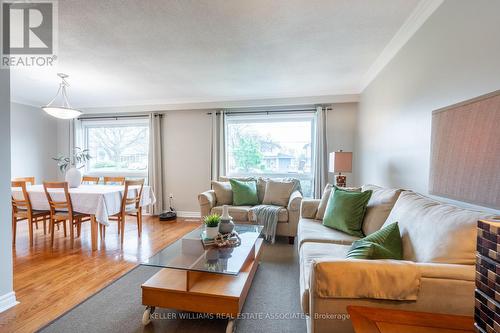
65	111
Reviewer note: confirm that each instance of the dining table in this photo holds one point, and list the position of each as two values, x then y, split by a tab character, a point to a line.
98	201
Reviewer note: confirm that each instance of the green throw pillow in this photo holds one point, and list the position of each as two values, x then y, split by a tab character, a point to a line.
383	244
244	192
345	211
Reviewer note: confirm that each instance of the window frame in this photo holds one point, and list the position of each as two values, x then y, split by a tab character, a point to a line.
85	124
270	118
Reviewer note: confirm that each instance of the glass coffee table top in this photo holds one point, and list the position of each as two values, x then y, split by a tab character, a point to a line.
188	253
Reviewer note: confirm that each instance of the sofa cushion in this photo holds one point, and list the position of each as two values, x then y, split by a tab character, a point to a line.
382	244
278	192
379	206
238	213
282	215
244	192
261	188
223	192
345	211
309	252
433	231
310	230
326	196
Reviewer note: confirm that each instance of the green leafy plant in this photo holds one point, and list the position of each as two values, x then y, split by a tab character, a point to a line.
211	220
80	158
247	153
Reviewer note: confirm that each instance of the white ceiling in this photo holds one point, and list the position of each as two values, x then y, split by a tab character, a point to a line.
126	52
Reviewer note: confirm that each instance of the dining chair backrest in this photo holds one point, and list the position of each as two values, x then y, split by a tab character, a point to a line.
135	199
90	180
114	180
65	205
30	180
23	203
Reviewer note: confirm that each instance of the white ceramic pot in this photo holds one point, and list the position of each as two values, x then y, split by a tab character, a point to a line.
226	224
211	232
73	177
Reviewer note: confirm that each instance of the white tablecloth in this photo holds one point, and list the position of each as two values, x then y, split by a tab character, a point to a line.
99	200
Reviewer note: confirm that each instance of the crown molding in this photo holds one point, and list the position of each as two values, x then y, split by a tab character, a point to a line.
269	102
417	18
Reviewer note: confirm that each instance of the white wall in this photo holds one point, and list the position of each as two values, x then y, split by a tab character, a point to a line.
7	297
453	57
187	157
187	150
187	135
33	143
342	123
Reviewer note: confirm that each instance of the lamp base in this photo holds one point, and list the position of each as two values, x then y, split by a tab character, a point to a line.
340	180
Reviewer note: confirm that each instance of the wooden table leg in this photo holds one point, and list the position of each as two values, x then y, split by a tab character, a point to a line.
93	232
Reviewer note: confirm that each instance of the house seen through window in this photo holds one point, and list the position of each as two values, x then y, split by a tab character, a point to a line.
117	147
274	146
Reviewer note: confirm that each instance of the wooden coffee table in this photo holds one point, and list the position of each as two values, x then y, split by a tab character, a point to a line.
203	279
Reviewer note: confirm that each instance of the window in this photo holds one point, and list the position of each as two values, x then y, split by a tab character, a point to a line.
271	146
118	147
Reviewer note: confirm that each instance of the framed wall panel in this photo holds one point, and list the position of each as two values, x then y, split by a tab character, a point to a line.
465	151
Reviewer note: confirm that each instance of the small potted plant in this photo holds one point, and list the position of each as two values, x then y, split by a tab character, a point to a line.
211	225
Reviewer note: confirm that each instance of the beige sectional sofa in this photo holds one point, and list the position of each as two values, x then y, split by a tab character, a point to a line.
288	217
436	275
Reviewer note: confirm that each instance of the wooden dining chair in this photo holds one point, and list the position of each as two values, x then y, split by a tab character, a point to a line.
22	210
90	180
30	180
62	211
131	206
114	180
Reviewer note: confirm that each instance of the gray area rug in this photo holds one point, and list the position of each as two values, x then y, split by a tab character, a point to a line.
272	305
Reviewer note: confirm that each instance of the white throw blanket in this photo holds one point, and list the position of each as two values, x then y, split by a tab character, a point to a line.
267	216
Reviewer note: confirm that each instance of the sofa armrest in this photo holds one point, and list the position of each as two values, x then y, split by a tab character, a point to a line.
309	207
447	271
359	278
294	202
444	288
294	213
207	201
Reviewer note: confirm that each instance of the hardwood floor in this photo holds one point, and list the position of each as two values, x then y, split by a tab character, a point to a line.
48	282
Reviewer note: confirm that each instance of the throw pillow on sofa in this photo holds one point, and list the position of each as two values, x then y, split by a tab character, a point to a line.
379	206
278	192
244	192
345	211
383	244
326	195
223	192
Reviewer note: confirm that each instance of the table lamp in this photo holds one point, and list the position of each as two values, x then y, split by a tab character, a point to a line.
340	161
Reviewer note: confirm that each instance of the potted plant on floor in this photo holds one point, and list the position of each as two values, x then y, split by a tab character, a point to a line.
211	225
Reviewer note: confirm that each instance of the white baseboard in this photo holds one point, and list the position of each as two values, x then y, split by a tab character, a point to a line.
181	213
7	301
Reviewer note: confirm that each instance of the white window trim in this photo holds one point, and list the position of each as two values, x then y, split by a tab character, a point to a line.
267	118
81	140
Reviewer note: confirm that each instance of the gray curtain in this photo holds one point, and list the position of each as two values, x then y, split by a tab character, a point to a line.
320	152
217	146
155	166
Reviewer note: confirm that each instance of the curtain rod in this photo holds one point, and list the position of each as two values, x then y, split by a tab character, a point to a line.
117	117
269	111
